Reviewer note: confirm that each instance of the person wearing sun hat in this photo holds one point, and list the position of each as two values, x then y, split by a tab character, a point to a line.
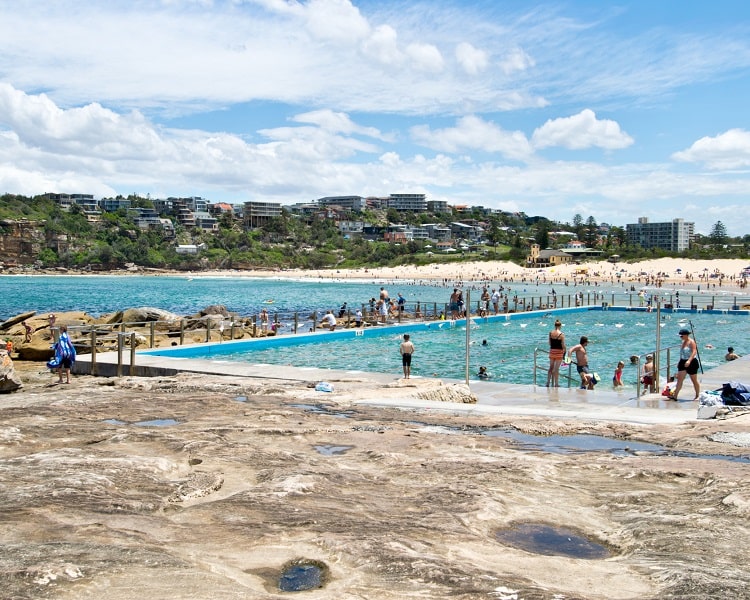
688	365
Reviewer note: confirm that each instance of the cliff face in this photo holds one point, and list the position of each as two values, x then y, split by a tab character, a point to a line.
22	241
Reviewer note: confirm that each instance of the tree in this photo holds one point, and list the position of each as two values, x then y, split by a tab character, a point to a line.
494	235
718	235
578	225
590	233
542	233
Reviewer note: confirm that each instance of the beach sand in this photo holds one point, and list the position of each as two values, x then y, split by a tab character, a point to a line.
671	271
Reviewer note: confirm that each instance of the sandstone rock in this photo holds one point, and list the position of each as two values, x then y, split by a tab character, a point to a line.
215	309
9	379
39	348
148	313
449	393
7	324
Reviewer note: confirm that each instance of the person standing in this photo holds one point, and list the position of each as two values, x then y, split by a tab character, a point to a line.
453	305
383	310
582	363
401	304
406	350
358	318
484	303
495	297
556	354
27	332
688	365
647	378
617	377
65	354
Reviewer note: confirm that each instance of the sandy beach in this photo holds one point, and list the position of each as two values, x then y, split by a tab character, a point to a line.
673	272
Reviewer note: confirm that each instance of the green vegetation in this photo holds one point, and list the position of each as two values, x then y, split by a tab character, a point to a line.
70	239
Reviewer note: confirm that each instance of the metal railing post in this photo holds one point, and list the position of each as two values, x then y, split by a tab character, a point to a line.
93	351
119	354
153	328
131	369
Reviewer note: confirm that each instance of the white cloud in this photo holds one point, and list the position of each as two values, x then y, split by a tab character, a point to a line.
472	132
425	57
581	131
87	131
516	60
382	45
728	150
337	122
471	59
336	20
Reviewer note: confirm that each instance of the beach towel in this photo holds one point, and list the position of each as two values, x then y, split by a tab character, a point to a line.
735	394
64	350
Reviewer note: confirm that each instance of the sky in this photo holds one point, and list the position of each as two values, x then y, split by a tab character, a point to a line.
614	110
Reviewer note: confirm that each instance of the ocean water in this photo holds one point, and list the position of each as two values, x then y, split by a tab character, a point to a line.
508	355
510	345
186	295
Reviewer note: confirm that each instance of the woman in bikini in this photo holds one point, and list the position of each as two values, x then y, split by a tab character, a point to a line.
556	354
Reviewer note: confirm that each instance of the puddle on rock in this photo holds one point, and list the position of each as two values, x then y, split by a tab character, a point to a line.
114	422
539	538
157	423
240	398
320	410
331	450
580	443
301	575
569	444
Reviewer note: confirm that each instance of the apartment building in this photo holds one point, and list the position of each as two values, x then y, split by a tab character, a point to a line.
347	202
674	236
257	214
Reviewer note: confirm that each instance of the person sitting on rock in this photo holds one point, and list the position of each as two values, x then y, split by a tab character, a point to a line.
329	321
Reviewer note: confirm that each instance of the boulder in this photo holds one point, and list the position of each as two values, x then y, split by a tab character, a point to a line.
215	309
147	313
9	379
39	348
7	324
110	319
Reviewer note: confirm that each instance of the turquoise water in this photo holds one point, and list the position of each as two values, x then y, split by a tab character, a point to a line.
509	353
186	295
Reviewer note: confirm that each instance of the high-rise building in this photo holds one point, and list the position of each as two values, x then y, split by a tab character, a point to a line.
674	236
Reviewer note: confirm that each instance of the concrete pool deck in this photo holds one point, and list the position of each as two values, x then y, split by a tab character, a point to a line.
603	404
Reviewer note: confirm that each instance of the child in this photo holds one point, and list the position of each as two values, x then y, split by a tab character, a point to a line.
617	379
647	378
483	374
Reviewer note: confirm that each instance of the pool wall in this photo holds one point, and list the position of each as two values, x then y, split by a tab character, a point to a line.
204	350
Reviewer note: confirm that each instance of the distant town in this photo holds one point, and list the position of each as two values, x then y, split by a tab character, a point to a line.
56	229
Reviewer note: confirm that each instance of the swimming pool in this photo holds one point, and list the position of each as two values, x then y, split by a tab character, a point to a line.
614	334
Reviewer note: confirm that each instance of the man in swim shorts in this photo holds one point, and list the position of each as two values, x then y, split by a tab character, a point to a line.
582	363
406	349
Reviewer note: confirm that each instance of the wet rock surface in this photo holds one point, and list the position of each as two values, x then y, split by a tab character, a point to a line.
216	506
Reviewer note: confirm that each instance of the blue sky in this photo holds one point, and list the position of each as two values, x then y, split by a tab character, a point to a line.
614	110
